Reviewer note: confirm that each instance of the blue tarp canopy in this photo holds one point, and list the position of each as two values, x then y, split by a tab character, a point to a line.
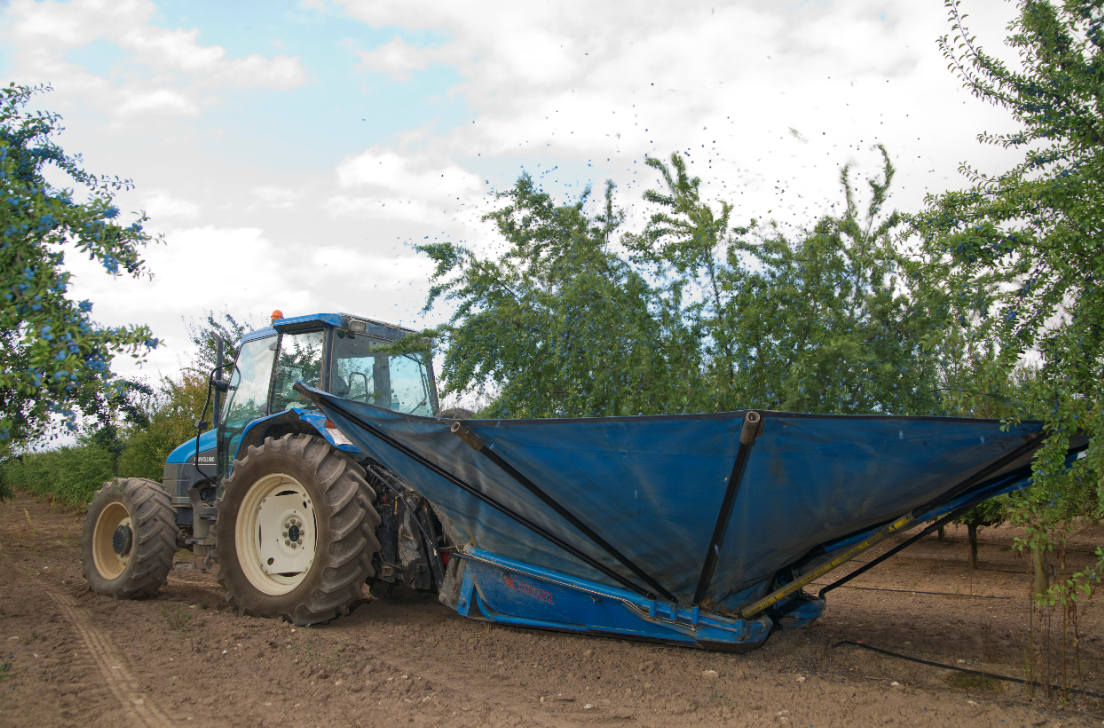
652	486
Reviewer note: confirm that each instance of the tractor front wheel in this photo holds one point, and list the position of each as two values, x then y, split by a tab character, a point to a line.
295	533
129	539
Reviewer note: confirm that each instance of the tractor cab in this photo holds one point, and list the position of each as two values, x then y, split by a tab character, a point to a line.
337	353
332	351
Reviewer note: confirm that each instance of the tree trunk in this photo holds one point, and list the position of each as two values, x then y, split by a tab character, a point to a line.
941	535
1042	582
971	532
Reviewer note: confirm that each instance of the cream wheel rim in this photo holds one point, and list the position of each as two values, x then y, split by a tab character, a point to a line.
109	563
276	534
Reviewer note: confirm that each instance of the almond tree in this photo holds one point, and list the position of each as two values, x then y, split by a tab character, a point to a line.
1037	230
826	320
53	356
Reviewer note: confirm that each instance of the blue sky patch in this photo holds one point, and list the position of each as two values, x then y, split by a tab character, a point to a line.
343	109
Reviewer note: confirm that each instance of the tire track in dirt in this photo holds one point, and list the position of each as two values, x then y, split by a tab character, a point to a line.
116	676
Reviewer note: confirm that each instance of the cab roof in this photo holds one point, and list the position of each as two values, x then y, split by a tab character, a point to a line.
359	324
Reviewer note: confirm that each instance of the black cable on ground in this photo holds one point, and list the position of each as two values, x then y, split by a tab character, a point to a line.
963	669
913	591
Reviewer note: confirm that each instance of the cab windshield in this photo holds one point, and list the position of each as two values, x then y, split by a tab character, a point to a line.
300	361
397	382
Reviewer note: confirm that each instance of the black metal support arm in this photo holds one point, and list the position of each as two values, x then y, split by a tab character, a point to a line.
753	426
216	381
469	436
476	493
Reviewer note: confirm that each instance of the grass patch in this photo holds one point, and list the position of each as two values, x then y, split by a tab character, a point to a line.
177	618
70	474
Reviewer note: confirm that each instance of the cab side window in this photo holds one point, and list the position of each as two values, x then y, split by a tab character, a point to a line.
398	382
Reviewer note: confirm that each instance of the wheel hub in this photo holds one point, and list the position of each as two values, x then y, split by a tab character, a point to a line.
122	540
292	551
112	540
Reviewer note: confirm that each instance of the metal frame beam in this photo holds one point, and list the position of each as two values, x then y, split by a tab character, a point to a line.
753	427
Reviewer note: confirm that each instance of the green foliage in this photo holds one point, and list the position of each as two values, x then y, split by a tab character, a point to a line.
53	358
990	513
823	323
70	474
693	314
1036	227
177	618
1024	245
560	323
171	416
110	414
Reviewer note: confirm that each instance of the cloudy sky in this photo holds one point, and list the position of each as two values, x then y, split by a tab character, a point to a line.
291	151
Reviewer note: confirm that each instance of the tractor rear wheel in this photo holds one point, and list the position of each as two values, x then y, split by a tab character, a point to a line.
129	539
295	533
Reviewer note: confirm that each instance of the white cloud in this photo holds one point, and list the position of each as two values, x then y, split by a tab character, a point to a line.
135	102
293	208
406	175
578	82
236	269
390	273
386	183
277	197
256	71
397	59
161	205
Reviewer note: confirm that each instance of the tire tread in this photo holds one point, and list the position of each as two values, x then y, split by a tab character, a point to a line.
153	522
347	564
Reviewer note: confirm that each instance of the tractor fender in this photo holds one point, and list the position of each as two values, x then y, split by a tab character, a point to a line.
294	421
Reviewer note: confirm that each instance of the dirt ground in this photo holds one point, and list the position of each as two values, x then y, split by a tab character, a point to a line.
72	658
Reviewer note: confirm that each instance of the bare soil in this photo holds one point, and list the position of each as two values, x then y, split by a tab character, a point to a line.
72	658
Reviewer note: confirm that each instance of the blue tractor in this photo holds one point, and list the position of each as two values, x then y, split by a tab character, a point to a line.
297	518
